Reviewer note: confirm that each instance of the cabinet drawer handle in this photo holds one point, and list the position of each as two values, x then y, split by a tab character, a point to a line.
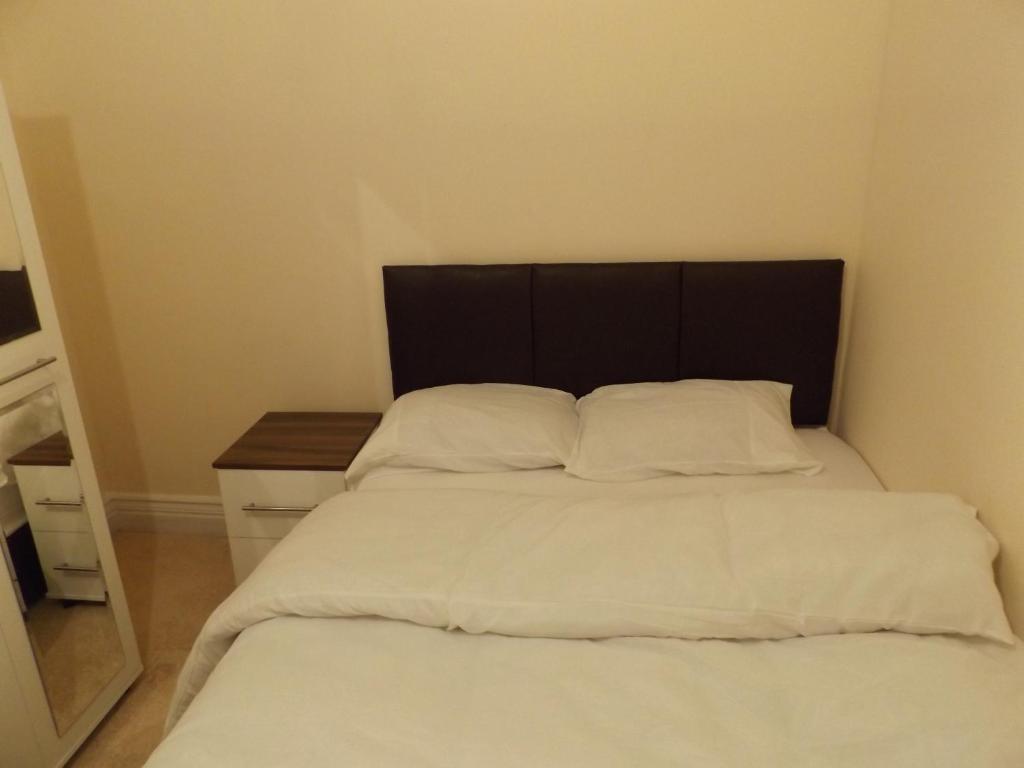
40	363
260	509
54	503
75	569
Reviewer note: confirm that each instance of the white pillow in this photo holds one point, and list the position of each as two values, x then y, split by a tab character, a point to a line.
472	428
691	427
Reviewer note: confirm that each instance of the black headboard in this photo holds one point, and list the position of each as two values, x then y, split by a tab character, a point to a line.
577	327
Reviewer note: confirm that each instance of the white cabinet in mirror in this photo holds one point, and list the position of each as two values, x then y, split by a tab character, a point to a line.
67	648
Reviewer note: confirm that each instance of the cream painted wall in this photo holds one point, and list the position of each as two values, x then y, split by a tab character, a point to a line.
934	394
218	183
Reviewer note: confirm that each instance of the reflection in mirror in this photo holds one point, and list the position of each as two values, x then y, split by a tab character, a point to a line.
52	559
17	309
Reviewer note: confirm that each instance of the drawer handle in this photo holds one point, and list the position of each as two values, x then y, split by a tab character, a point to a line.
75	569
261	509
54	503
40	363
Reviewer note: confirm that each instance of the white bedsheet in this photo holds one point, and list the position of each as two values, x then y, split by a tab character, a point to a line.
844	469
373	692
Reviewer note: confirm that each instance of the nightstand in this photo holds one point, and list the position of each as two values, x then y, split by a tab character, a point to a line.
52	496
279	470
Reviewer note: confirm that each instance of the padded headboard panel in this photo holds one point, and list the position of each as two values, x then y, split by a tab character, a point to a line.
577	327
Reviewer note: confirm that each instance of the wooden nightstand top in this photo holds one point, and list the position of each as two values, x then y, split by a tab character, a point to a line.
53	451
311	441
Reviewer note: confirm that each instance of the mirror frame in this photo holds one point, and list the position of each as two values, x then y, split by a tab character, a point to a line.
69	717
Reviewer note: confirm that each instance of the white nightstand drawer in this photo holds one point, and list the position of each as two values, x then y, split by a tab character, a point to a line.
246	554
285	464
269	503
58	485
70	565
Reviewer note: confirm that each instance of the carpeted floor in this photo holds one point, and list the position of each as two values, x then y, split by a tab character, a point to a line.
173	583
78	651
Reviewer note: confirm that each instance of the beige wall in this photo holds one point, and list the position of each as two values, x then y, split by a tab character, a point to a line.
934	393
218	183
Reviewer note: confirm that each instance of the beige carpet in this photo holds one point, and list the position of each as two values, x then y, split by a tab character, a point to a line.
173	583
78	651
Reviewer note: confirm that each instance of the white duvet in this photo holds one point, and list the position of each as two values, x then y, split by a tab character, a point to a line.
589	610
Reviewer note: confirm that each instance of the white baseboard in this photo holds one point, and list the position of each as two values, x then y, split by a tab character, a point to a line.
202	515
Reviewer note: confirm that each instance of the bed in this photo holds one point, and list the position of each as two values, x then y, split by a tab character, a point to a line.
455	618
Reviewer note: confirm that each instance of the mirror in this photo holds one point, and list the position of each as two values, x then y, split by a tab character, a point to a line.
51	557
17	308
